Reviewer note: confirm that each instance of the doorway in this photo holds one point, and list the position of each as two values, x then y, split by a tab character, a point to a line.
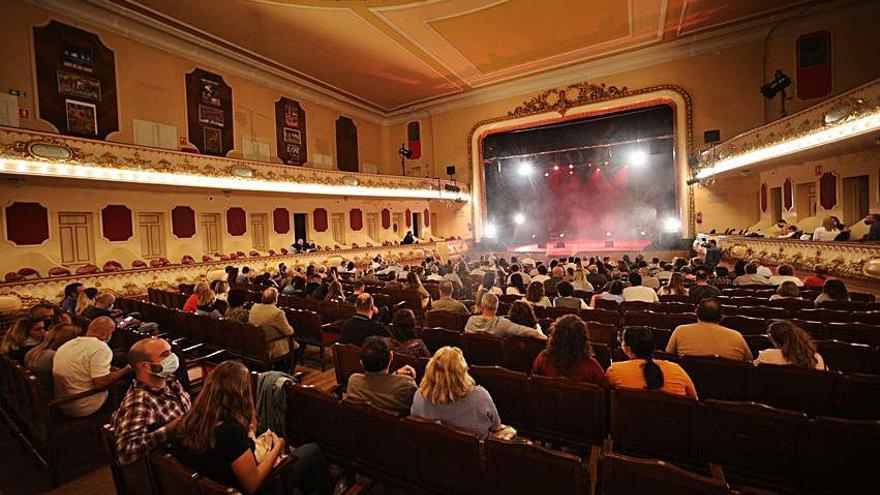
75	229
373	226
855	199
212	242
258	231
337	228
805	200
151	229
398	224
417	224
299	227
775	204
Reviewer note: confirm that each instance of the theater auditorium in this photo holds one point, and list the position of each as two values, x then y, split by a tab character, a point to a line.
441	247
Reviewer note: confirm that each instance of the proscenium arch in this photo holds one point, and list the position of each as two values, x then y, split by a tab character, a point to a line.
674	96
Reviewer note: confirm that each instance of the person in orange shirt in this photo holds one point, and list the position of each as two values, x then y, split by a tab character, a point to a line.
643	372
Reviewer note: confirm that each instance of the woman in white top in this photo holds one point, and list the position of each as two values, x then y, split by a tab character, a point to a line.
580	281
827	232
535	295
793	347
515	286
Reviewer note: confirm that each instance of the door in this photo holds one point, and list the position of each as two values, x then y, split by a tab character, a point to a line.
805	200
417	224
259	235
373	226
775	204
300	220
77	243
212	242
855	199
434	229
398	224
151	230
337	227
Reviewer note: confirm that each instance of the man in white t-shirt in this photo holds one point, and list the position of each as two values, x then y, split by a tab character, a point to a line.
786	274
83	364
637	292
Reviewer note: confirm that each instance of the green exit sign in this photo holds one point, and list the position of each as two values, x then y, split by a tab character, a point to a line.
17	92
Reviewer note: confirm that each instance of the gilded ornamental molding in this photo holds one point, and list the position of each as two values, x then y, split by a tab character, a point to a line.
561	99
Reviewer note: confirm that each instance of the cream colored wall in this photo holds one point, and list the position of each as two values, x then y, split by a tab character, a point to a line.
86	196
731	202
150	83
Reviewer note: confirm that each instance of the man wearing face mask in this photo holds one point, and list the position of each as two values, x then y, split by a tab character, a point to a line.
153	404
83	364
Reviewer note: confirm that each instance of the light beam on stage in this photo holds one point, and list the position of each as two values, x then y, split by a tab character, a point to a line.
519	219
525	169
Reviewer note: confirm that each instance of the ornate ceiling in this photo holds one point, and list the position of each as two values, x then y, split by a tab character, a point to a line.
393	54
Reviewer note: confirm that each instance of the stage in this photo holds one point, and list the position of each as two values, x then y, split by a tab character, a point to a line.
586	247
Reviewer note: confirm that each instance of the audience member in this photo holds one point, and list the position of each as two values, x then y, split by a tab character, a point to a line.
515	285
707	337
24	335
83	364
675	287
568	353
154	403
71	294
535	294
335	292
447	303
206	304
643	372
448	393
596	278
192	302
613	292
360	326
413	283
403	331
235	310
636	292
750	277
787	290
566	298
488	322
817	280
523	314
40	358
391	392
541	275
556	275
785	273
273	322
713	255
833	290
243	276
828	231
103	306
873	223
792	346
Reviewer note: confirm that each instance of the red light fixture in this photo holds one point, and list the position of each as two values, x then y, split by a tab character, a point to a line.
556	168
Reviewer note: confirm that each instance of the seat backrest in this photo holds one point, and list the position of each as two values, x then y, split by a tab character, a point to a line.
673	320
607	316
346	360
847	357
718	378
253	341
625	475
305	323
628	306
568	412
435	338
787	387
603	333
754	441
172	477
509	391
826	315
680	306
602	353
861	333
871	317
636	318
444	459
763	311
399	360
654	423
758	343
314	416
607	304
445	319
746	325
842	455
375	439
483	349
518	468
230	336
520	352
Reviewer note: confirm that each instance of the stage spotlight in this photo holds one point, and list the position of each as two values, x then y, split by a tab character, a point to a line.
556	168
561	235
672	224
490	230
570	165
524	169
642	233
546	174
571	172
607	234
638	158
519	219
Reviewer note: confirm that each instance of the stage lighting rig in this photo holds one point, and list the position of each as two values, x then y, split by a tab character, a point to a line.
404	153
490	231
525	169
780	82
519	219
638	158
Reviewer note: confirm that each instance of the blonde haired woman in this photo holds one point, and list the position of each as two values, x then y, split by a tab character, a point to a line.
200	292
39	359
83	303
580	281
448	393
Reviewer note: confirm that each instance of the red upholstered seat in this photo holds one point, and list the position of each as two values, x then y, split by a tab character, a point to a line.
369	244
329	337
13	277
272	252
187	260
138	264
223	257
284	251
232	256
206	258
354	245
254	254
240	254
58	271
28	273
336	246
155	263
112	266
85	270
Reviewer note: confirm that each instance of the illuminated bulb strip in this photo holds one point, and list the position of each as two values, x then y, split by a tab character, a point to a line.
846	130
75	171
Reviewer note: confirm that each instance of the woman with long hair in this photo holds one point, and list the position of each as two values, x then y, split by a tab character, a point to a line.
786	290
580	281
833	290
26	334
792	346
335	292
83	302
827	231
675	287
199	293
522	313
39	359
643	372
205	304
450	394
568	353
535	295
403	331
515	286
613	292
216	437
413	283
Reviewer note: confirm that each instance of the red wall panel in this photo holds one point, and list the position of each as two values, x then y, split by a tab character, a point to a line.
281	220
763	197
319	217
356	219
427	216
236	221
828	190
787	195
386	218
183	222
27	223
116	223
408	216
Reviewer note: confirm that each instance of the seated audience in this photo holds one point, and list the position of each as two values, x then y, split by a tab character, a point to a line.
71	294
448	393
244	276
488	322
873	223
24	335
85	300
154	403
515	285
828	231
335	292
637	292
833	290
403	331
435	275
541	275
785	273
535	294
643	372
235	309
792	346
523	314
568	353
751	276
103	306
613	292
648	280
596	279
360	326
271	319
221	288
192	302
214	438
206	304
566	298
40	358
447	303
707	337
557	274
790	232
391	392
83	364
675	287
413	283
787	290
817	281
580	281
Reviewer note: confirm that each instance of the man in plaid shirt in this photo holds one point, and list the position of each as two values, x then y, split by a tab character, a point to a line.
154	402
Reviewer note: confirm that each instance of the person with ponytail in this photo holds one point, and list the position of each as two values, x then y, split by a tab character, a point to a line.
792	346
643	372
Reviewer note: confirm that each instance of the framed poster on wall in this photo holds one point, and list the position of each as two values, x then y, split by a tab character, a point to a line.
290	128
209	112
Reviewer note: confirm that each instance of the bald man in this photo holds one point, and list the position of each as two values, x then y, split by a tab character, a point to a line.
360	326
153	404
83	364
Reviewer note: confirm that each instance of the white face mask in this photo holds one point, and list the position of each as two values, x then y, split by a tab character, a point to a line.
167	367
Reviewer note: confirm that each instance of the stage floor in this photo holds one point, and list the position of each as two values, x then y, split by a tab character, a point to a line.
573	246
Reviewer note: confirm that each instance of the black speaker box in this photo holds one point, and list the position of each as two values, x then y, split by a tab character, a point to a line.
450	170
